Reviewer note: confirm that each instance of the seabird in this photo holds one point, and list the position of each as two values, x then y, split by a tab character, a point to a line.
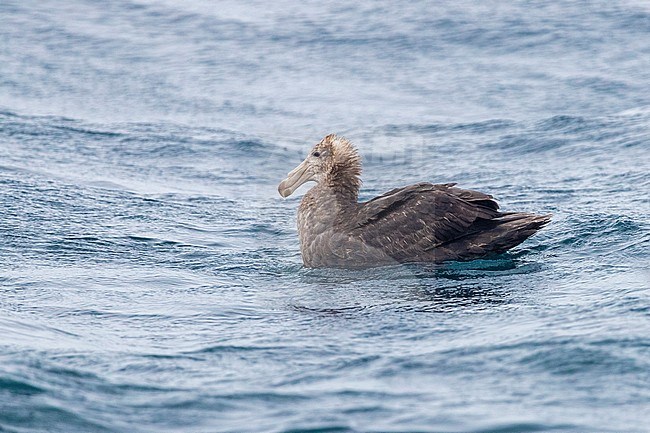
423	222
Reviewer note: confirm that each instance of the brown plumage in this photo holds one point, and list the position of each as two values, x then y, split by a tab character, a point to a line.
417	223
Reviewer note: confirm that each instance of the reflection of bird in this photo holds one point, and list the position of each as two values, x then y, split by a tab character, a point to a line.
417	223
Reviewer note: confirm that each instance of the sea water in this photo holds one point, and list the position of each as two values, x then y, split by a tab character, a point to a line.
150	274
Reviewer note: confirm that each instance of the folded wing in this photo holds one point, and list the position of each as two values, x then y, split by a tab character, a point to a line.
409	223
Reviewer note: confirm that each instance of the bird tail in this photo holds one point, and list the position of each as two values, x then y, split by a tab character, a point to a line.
494	236
510	230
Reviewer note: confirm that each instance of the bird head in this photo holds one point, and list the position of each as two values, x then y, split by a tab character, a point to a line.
333	160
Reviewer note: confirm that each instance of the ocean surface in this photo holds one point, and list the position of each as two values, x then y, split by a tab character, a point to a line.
150	274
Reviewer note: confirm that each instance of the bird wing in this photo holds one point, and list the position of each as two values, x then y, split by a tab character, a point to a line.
411	220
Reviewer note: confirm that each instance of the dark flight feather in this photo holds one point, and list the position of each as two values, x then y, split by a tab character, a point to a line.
409	223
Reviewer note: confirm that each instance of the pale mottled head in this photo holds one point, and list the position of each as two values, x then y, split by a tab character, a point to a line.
334	160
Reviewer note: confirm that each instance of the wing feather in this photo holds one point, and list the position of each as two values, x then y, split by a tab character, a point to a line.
409	221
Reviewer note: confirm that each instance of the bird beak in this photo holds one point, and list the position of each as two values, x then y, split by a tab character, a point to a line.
297	177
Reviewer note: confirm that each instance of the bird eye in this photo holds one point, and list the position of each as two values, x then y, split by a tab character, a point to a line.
316	154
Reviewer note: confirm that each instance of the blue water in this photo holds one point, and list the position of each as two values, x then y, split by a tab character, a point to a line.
150	274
